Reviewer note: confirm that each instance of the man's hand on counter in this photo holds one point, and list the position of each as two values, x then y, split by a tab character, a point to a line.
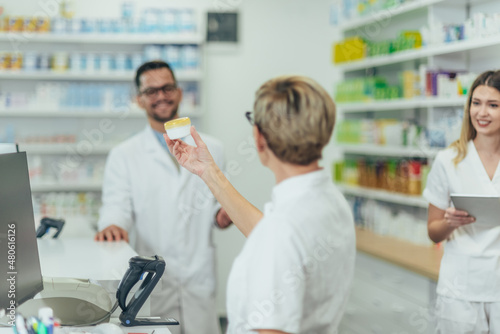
222	218
112	233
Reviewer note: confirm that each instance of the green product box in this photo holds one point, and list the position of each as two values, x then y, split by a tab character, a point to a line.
425	172
393	92
337	171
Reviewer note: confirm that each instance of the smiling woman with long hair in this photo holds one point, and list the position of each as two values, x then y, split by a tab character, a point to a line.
469	279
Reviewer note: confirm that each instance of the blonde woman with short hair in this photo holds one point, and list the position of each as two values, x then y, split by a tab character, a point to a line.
469	278
295	270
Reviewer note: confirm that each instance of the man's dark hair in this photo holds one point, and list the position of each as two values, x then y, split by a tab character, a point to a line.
151	65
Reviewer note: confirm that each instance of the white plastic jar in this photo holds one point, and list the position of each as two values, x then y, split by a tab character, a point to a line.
178	128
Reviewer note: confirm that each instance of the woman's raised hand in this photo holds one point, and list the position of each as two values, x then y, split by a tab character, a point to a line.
196	159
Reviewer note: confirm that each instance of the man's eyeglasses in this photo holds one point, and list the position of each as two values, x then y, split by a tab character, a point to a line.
153	91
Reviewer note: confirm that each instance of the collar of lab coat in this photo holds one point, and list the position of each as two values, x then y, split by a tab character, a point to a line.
153	147
297	185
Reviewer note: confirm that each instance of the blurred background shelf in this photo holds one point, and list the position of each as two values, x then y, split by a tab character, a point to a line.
181	75
383	195
401	104
102	38
65	148
386	14
139	114
429	51
389	151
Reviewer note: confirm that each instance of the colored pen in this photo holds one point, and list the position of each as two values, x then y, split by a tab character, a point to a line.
20	327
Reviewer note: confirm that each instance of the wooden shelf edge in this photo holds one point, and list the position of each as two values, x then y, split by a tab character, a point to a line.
422	260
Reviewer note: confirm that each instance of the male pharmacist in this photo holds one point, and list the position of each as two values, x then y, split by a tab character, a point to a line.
165	209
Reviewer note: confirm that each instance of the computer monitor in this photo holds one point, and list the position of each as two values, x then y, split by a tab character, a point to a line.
20	273
8	148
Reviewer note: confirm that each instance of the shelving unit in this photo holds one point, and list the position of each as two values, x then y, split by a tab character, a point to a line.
422	109
401	104
124	38
63	148
386	14
424	52
384	196
134	114
389	151
96	76
420	259
31	123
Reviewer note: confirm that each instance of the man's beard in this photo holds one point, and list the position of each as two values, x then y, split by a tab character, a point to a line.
157	118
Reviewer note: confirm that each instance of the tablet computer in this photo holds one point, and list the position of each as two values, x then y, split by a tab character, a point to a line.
486	209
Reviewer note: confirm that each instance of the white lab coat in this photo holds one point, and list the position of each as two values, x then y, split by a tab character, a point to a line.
295	270
171	213
470	267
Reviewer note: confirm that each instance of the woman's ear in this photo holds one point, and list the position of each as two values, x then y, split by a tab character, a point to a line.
260	141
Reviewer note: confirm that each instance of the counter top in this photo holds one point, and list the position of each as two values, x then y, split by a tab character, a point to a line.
84	258
423	260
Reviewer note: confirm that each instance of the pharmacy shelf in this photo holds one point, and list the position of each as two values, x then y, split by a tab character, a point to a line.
436	50
389	151
62	187
166	38
424	260
135	114
181	75
386	14
401	104
65	148
384	196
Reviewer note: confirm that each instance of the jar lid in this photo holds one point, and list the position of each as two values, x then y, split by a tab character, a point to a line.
175	123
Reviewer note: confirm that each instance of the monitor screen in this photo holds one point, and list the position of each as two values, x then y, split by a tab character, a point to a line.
20	273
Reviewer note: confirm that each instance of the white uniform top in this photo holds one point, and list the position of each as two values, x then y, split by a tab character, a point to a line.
470	268
168	212
296	267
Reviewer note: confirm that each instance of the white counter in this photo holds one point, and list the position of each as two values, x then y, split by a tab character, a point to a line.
105	262
84	258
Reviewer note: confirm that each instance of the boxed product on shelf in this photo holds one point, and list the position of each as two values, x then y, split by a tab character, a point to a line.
412	84
391	220
480	25
384	132
361	90
447	83
73	96
150	21
181	57
395	175
344	10
352	48
66	204
355	48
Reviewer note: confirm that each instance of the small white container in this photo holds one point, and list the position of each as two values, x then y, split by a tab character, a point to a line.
178	128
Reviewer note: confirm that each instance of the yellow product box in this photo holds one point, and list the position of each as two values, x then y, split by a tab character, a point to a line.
408	83
60	61
42	24
350	49
408	34
16	61
5	24
4	60
15	23
29	24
